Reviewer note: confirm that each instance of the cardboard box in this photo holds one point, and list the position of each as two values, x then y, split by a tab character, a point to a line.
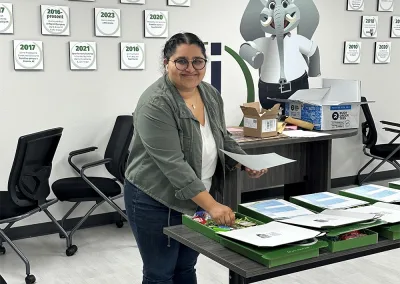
259	122
335	104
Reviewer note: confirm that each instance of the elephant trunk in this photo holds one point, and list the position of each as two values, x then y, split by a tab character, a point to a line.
279	22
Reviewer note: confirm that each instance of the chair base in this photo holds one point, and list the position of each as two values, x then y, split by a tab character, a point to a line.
71	249
30	279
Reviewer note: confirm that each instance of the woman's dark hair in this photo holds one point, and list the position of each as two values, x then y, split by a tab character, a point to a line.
177	39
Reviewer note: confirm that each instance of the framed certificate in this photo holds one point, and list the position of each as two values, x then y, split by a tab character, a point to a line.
6	18
185	3
369	27
82	55
395	28
155	23
55	20
355	5
108	22
382	52
132	56
28	55
352	52
133	1
385	5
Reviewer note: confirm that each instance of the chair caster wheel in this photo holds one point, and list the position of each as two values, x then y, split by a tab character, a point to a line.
61	236
119	224
2	250
71	250
30	279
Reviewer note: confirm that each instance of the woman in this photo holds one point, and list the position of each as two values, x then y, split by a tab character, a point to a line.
175	166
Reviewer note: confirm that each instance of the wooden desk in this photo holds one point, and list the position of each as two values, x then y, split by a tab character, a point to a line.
310	173
243	270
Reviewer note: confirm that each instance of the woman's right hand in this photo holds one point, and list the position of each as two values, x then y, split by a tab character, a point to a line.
222	215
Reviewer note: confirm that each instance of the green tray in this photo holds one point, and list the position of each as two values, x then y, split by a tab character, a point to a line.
336	246
390	232
395	184
306	205
208	232
272	257
355	196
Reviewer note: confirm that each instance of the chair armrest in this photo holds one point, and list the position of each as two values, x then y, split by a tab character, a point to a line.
82	151
79	152
390	123
392	130
94	164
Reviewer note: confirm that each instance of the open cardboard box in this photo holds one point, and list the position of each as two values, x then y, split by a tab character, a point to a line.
259	122
332	104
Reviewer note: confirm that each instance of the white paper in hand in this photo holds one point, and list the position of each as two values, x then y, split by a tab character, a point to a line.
259	162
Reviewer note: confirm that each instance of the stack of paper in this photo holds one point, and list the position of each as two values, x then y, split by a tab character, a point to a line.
277	209
387	212
301	133
328	200
331	219
376	192
272	234
286	212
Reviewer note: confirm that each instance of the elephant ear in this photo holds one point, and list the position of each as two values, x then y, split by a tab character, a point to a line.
250	27
309	17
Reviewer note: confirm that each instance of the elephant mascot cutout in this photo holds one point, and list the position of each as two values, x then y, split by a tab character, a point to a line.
285	61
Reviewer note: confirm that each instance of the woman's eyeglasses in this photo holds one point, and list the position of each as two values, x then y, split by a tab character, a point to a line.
182	63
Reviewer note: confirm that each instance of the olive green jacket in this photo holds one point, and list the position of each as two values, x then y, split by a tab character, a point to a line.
165	160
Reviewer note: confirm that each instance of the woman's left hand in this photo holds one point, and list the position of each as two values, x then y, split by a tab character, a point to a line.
254	173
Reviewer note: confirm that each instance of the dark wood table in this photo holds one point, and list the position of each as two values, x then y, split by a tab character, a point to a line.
310	173
243	270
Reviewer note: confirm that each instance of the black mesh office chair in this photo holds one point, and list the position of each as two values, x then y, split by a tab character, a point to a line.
2	281
98	189
384	152
28	186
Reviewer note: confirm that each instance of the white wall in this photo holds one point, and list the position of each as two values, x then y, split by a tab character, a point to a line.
86	103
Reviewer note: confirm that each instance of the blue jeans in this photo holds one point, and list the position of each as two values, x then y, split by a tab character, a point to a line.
165	261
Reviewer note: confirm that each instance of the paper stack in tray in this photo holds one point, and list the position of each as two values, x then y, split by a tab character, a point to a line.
289	213
327	200
387	212
373	193
272	234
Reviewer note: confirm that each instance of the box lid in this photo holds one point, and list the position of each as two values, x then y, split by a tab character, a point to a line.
254	109
332	92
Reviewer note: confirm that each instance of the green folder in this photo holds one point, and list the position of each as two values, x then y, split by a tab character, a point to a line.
394	184
277	256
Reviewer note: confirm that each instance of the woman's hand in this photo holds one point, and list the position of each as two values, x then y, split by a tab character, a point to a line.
255	174
222	215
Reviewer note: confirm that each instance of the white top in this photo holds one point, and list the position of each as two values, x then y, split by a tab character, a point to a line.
294	48
209	153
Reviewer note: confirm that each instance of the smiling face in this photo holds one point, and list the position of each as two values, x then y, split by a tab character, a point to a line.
186	67
279	15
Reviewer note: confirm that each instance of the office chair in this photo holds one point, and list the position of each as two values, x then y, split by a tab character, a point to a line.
2	281
384	152
28	186
98	189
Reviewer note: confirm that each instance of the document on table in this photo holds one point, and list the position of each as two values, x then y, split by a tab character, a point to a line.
271	235
330	200
330	219
387	212
376	192
301	133
277	209
259	162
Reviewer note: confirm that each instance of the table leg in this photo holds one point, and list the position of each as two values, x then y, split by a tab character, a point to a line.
318	177
235	278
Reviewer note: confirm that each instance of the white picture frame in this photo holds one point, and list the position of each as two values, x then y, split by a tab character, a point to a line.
107	22
395	27
383	51
7	18
369	26
355	5
385	5
181	3
83	55
132	56
156	24
55	20
28	55
352	52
